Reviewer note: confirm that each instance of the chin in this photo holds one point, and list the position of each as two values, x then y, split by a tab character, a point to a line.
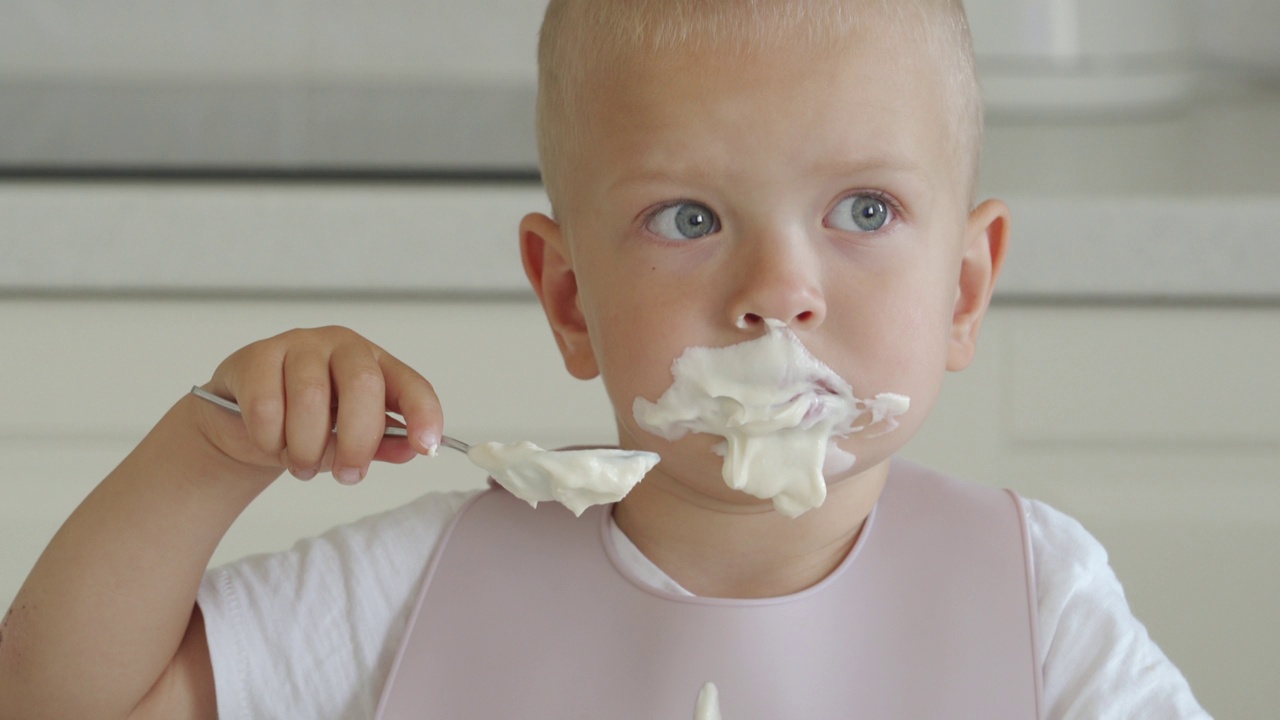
843	463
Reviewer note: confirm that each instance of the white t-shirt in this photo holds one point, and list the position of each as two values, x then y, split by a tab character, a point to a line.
312	632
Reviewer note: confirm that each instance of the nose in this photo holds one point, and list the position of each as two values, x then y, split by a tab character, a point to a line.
778	277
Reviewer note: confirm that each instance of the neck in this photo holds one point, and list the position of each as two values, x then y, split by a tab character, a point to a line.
716	549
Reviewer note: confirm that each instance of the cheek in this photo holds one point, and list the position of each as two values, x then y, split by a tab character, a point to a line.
637	317
919	356
635	335
901	348
901	337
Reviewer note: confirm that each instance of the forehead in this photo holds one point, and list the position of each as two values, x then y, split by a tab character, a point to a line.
587	44
871	102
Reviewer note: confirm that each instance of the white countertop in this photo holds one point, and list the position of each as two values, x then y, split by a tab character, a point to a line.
1182	205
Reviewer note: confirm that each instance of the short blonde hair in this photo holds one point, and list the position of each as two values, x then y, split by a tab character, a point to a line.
583	40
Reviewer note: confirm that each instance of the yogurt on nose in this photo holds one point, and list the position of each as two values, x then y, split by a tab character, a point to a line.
779	409
576	479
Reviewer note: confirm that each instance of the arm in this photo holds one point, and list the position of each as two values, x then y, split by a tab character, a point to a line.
106	624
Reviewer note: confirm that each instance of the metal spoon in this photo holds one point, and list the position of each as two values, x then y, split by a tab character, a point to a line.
389	431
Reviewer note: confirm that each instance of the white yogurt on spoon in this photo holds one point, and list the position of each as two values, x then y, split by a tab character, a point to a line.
576	479
779	409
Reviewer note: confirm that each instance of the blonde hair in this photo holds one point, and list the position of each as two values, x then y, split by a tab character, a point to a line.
583	40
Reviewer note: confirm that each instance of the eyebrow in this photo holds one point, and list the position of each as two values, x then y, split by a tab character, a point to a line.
837	168
875	164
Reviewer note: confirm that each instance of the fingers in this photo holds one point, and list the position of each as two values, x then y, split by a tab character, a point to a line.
254	381
410	395
317	399
307	399
361	415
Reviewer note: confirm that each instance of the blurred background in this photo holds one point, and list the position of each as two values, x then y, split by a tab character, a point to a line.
178	179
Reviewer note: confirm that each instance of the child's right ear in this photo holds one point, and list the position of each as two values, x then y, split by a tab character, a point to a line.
550	271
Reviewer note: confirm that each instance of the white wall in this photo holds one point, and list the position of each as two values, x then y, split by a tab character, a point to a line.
477	40
1241	33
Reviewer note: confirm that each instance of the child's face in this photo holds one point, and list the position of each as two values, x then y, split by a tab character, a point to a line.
818	189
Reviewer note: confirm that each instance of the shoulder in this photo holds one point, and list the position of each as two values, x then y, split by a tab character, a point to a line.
411	529
1096	657
395	543
391	541
1065	555
327	613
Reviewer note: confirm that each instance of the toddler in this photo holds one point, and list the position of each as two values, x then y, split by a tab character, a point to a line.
729	179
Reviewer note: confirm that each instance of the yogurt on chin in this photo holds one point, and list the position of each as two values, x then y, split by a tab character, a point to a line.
779	409
576	479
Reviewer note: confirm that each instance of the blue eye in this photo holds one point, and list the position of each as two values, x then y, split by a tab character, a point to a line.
683	221
860	213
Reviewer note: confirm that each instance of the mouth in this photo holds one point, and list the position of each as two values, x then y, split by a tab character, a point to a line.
817	409
822	397
827	386
778	407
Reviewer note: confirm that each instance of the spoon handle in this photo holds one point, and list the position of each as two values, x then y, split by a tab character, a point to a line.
455	444
390	431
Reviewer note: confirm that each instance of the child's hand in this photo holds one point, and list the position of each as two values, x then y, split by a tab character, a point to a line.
294	387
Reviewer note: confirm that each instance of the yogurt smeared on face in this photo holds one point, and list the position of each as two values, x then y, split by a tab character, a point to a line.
576	479
779	410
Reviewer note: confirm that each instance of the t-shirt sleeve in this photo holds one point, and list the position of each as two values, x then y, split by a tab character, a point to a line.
312	632
1098	660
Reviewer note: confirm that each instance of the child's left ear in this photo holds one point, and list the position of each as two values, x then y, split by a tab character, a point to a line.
550	272
986	236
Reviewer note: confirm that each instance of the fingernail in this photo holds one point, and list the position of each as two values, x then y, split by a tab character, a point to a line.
348	475
430	441
302	473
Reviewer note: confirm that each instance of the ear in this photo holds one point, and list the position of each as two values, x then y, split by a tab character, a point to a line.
550	271
986	236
